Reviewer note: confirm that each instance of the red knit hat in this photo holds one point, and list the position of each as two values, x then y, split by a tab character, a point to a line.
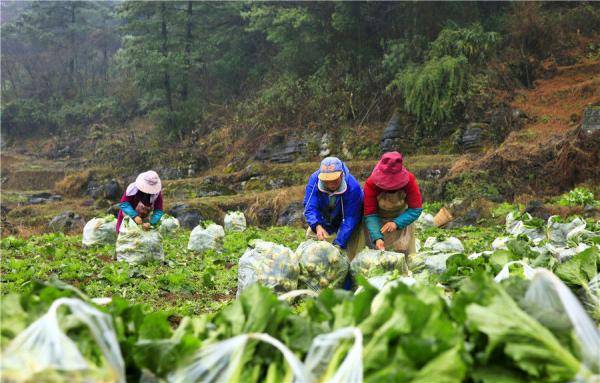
389	173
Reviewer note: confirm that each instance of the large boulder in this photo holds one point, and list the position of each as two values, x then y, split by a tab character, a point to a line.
110	189
591	120
67	222
471	138
292	215
40	198
188	216
280	150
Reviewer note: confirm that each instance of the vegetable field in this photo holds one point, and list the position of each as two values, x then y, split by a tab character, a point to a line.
513	301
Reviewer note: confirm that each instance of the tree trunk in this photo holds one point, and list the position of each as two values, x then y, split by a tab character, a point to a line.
167	78
72	59
188	50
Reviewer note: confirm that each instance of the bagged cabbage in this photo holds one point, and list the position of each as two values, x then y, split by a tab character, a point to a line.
235	221
370	263
100	231
136	245
202	239
322	265
224	362
168	225
45	352
269	264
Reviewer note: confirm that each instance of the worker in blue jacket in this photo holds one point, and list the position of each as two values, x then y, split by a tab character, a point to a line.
333	207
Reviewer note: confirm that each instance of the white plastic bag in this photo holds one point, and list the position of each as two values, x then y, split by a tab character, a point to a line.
45	346
202	239
552	303
505	272
558	233
100	231
322	265
449	245
425	220
168	225
235	221
500	243
322	349
371	262
219	362
136	245
269	264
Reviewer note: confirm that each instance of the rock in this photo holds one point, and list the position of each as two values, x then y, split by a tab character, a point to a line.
276	184
290	151
67	222
591	120
211	186
40	198
471	138
292	215
346	152
432	173
36	201
392	134
110	190
504	120
188	217
325	142
281	150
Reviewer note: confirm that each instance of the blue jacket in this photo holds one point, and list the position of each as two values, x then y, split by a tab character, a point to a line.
343	217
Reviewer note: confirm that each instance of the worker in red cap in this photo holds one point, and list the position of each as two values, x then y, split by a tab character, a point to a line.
392	204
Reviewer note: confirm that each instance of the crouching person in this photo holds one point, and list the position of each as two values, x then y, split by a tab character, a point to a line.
142	201
392	204
333	207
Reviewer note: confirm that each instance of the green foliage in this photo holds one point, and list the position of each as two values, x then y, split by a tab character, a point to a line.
470	186
434	90
578	197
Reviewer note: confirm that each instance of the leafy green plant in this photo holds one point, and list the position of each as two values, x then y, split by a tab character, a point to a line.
578	197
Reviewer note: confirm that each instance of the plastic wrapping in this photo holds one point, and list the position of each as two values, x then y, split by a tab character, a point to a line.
136	245
269	264
425	220
552	303
202	239
221	362
100	231
370	263
449	245
322	349
528	271
45	347
235	221
168	225
322	265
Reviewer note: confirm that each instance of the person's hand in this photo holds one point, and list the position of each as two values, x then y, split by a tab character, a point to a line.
380	245
322	234
138	220
389	227
146	226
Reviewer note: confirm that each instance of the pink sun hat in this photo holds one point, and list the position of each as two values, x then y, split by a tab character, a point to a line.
148	182
389	173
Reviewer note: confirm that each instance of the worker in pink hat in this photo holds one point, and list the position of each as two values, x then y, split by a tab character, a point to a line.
140	198
392	204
